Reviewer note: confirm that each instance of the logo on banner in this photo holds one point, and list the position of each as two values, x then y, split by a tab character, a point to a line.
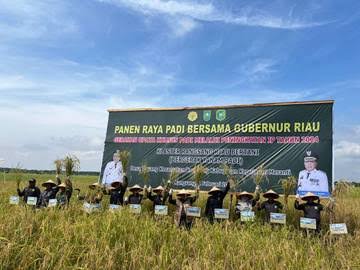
192	116
207	115
220	115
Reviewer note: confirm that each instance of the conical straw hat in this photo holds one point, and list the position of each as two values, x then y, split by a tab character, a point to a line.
183	192
135	187
49	182
214	190
271	194
159	188
309	195
244	194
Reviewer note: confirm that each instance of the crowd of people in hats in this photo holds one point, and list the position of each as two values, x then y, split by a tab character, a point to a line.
245	201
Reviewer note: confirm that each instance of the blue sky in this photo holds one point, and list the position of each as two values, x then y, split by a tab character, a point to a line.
63	63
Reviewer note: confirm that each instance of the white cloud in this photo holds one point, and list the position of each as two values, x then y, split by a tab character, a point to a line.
208	12
347	149
45	19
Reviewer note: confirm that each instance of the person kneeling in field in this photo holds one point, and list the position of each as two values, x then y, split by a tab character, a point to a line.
215	200
160	197
184	201
246	201
311	208
62	196
135	197
49	193
94	194
68	186
271	205
30	191
117	191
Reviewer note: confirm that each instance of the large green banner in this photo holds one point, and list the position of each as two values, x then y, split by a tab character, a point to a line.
287	139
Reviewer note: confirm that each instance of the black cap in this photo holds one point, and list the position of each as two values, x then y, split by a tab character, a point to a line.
32	180
310	156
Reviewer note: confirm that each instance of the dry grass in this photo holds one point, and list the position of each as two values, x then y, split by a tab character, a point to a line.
71	239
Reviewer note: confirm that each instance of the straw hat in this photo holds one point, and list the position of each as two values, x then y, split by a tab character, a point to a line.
183	192
214	190
49	182
94	185
62	185
244	194
270	194
115	182
309	195
159	188
135	187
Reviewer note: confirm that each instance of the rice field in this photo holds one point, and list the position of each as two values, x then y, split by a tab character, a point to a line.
72	239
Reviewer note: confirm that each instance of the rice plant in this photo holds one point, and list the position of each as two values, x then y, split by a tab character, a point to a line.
288	185
145	173
125	157
198	172
58	166
71	164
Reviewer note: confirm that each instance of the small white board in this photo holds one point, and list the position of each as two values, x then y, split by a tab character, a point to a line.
221	213
278	218
135	208
31	200
52	203
247	216
14	200
338	228
161	210
193	211
308	223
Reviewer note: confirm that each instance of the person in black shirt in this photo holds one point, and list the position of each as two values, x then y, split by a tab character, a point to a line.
215	200
160	196
271	205
311	208
135	197
30	191
49	193
117	191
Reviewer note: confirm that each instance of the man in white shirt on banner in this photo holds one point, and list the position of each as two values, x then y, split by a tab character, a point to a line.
311	179
113	171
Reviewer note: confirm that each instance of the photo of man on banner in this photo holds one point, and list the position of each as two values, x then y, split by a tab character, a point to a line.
113	171
312	179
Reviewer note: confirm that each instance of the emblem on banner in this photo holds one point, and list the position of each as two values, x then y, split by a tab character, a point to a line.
192	116
220	115
207	115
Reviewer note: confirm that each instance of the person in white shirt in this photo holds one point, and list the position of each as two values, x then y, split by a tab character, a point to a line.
113	171
311	179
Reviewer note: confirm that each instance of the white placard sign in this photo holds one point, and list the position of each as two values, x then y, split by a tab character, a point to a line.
161	210
193	211
221	213
277	218
90	207
31	200
338	228
135	208
52	203
114	207
308	223
14	200
247	216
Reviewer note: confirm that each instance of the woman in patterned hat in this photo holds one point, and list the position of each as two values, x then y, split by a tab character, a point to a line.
245	201
183	201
